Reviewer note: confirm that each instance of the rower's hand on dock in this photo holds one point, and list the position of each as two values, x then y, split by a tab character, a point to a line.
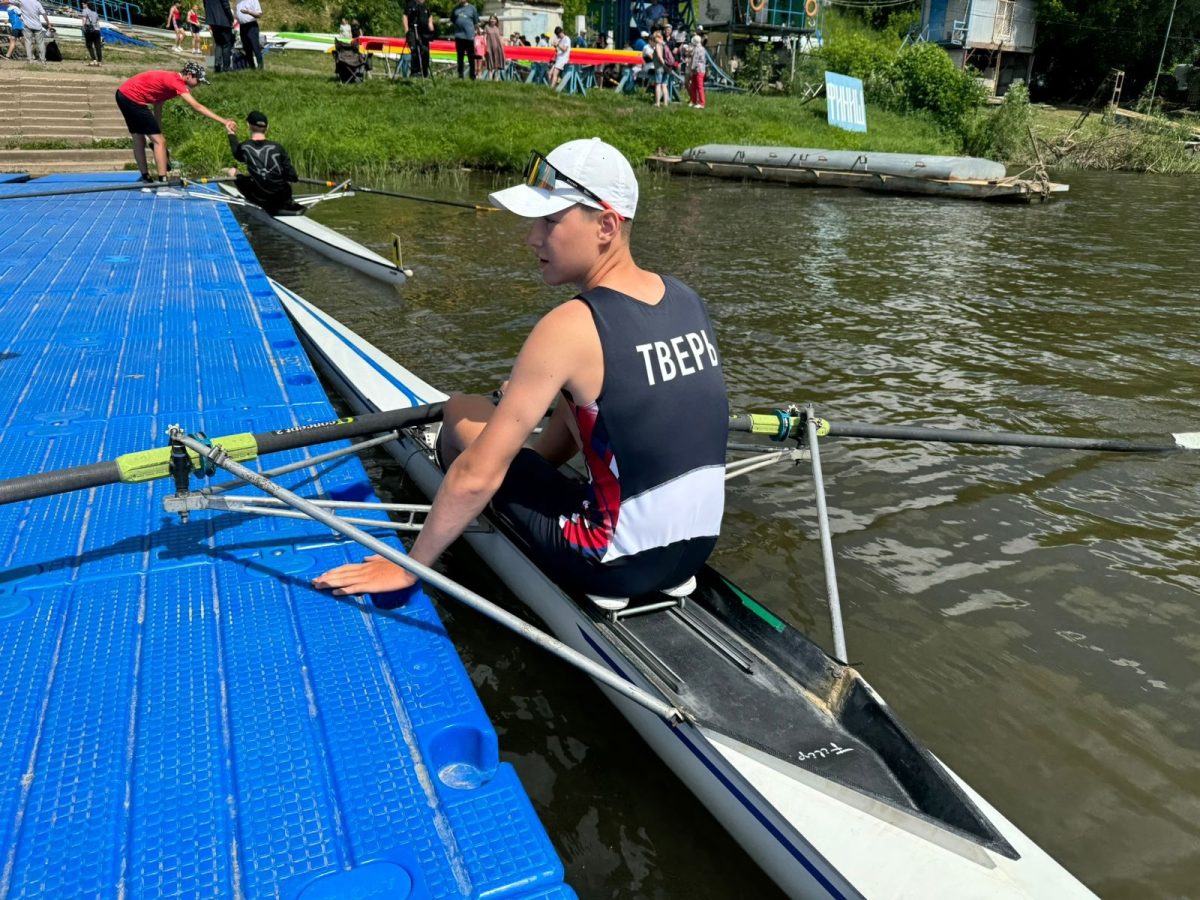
374	575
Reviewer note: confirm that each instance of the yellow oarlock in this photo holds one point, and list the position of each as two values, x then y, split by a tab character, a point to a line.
148	465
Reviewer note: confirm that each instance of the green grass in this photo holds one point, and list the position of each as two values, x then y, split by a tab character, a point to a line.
381	127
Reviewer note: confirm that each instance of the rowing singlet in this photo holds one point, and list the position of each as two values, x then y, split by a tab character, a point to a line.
654	440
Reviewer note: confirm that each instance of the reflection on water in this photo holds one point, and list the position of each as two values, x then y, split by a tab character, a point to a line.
1033	615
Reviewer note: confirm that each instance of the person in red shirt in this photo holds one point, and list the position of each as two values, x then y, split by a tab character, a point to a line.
136	96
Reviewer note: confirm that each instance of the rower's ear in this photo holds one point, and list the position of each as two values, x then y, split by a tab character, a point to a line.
610	225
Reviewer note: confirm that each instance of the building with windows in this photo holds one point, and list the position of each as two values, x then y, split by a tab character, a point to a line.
527	17
995	37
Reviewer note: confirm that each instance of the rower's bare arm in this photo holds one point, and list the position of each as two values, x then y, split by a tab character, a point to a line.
576	330
543	366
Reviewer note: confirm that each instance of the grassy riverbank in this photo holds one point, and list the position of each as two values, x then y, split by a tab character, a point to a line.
382	127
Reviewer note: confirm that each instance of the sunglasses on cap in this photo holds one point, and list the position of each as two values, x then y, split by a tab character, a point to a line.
540	173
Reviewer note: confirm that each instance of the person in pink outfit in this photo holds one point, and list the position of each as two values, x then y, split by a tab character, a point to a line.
697	67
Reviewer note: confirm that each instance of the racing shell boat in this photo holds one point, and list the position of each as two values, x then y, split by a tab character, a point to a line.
791	750
321	238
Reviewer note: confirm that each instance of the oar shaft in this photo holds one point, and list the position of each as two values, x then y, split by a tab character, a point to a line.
339	429
461	204
147	465
62	481
366	190
103	189
999	438
780	425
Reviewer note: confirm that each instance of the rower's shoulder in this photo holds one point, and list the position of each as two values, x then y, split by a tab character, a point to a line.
569	316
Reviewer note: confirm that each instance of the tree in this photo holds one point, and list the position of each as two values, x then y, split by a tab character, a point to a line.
1079	41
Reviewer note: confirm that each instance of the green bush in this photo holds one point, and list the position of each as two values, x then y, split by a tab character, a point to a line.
900	23
758	69
911	78
1006	132
928	79
861	55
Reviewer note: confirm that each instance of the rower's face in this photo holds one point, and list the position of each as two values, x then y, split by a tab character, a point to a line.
565	244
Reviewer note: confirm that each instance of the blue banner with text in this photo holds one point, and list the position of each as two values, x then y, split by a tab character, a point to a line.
844	103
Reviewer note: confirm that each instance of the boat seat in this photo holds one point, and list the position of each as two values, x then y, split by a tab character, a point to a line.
627	621
678	593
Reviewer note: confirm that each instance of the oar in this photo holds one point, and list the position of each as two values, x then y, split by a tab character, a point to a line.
146	465
784	424
101	189
366	190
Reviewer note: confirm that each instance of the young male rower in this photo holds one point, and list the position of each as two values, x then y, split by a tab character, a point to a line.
633	362
138	94
269	183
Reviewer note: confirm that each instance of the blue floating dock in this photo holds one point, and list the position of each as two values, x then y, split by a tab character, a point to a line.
182	714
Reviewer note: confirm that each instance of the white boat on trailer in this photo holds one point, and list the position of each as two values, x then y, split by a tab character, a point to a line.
321	238
791	750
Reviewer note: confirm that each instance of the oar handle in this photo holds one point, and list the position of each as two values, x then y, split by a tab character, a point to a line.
148	465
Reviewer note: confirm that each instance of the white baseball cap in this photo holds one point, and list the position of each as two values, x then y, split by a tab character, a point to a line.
599	167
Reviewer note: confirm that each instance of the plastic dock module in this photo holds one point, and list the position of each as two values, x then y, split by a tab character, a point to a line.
181	714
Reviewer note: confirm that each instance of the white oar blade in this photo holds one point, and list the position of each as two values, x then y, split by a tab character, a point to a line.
1189	440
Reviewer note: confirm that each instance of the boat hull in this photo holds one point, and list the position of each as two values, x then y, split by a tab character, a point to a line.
1001	190
813	837
324	240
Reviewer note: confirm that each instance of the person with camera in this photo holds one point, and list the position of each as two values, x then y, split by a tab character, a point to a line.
418	30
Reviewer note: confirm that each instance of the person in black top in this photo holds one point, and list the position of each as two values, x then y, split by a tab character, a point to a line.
219	17
269	183
418	29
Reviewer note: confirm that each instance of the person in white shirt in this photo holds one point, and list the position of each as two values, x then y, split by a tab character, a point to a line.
33	14
248	14
562	54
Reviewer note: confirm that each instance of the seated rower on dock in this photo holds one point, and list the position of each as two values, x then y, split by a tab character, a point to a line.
634	357
271	174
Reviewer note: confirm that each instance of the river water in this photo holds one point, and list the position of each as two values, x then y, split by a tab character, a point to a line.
1032	615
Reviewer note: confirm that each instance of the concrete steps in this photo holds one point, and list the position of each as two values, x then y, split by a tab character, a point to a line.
51	106
45	162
